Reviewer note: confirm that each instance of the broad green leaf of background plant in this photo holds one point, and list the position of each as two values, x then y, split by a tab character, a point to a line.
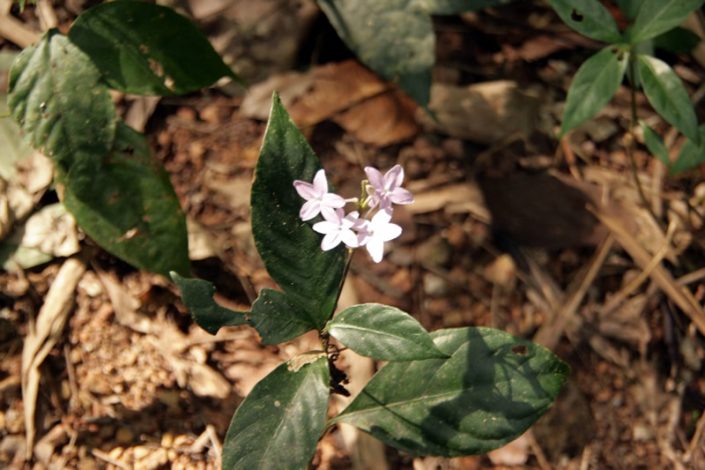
395	38
13	147
629	8
58	99
489	390
147	49
691	154
383	332
594	84
655	144
658	16
677	40
277	319
667	95
128	206
588	17
290	249
281	420
197	295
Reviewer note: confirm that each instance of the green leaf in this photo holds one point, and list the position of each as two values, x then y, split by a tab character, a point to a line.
655	144
392	37
677	40
383	332
58	99
489	391
147	49
128	206
630	8
588	17
691	154
281	420
277	319
451	7
290	248
197	295
594	84
658	16
667	95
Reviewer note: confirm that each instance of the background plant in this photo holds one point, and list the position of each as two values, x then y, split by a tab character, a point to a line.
451	392
59	95
630	53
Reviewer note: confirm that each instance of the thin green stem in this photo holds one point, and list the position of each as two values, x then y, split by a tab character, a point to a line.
629	145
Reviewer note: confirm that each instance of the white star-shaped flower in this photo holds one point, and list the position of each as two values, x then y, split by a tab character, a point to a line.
376	232
386	189
318	199
339	228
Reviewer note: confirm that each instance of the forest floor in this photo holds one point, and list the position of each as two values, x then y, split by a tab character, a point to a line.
512	228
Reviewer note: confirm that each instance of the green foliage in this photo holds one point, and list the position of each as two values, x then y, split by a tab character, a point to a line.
658	16
384	333
197	295
489	390
395	38
667	95
691	154
281	420
596	81
57	97
311	281
655	144
147	49
277	319
588	17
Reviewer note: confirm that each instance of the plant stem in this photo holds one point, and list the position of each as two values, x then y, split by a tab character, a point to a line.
629	146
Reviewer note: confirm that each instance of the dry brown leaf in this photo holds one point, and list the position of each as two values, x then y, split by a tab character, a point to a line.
346	92
44	335
125	306
452	198
485	112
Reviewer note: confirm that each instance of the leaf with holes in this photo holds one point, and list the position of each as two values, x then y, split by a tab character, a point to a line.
383	332
658	16
667	95
128	206
147	49
58	99
290	248
281	420
488	391
197	295
588	17
594	84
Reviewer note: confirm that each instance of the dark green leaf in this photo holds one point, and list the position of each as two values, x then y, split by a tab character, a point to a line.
691	154
197	295
289	247
383	332
489	391
277	319
655	144
147	49
677	40
658	16
629	8
588	17
57	97
127	205
392	37
667	95
281	420
594	84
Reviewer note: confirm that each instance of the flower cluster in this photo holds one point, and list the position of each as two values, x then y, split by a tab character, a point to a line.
372	229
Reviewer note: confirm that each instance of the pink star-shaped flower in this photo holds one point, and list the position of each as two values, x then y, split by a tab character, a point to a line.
386	189
318	199
338	228
377	231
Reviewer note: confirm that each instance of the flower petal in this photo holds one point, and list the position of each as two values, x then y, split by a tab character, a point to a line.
394	177
375	178
310	209
333	200
388	232
349	238
305	190
401	196
375	247
325	227
320	183
332	215
330	241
